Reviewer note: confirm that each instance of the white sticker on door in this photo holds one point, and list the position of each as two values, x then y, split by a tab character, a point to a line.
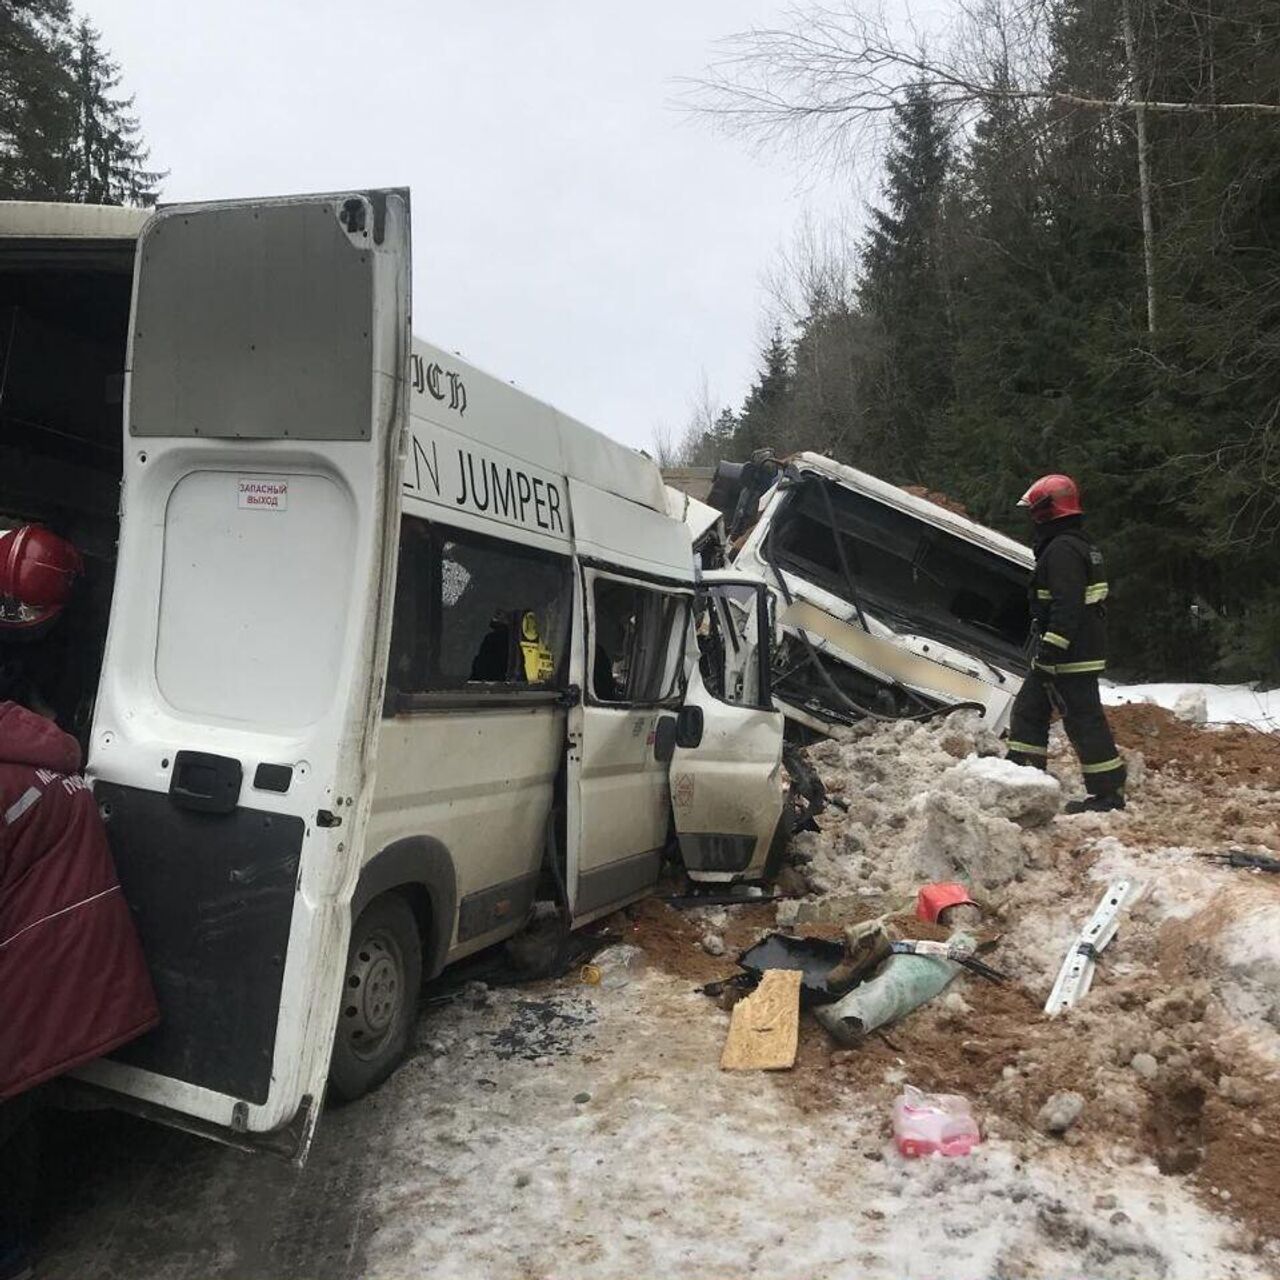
262	493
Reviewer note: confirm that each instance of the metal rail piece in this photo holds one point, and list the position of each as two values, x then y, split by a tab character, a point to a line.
1076	975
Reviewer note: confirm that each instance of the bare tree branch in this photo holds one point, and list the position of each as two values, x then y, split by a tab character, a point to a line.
832	76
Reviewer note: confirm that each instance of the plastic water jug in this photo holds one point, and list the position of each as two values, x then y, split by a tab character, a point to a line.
926	1124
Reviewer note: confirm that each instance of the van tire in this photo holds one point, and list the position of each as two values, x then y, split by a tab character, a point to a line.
380	989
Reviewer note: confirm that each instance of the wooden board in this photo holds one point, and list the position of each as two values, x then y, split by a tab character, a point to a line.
765	1026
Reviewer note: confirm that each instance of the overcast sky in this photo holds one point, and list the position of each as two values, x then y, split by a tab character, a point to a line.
573	233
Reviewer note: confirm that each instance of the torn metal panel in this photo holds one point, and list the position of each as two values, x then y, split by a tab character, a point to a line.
887	604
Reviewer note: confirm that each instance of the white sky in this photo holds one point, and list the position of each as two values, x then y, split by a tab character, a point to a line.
573	232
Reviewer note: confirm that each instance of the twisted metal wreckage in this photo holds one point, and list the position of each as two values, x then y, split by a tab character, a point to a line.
886	604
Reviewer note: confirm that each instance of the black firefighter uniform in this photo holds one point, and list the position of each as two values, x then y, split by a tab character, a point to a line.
1068	609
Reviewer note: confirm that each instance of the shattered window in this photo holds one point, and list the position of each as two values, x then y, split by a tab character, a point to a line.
638	643
733	663
902	567
474	612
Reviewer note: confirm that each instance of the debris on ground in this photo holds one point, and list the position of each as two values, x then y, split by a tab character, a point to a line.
926	1124
1076	975
902	984
1175	1055
764	1027
1060	1112
815	959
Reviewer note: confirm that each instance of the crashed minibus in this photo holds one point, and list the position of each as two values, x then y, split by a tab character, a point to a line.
373	652
888	603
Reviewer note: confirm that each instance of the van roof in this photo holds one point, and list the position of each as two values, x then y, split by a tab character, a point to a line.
46	220
500	415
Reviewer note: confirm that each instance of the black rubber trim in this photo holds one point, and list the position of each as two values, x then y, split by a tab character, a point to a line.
617	881
489	909
212	895
716	851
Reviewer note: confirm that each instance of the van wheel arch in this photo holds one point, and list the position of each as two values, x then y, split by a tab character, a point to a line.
421	869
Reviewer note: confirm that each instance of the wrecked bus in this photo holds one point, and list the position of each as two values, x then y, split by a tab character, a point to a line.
373	651
888	603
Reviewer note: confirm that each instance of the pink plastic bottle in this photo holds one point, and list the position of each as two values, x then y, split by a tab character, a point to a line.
926	1124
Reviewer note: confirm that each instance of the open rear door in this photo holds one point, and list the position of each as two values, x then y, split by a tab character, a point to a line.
232	743
727	788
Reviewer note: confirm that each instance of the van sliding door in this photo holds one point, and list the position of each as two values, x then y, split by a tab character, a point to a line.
232	742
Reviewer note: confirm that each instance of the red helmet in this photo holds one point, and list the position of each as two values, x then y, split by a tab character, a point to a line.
1051	498
38	570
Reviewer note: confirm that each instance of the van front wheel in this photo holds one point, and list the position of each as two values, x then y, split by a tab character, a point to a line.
379	998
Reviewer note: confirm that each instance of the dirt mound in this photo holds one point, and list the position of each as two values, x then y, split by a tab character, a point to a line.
1231	754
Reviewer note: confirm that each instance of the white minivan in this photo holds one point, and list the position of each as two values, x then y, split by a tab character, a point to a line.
373	651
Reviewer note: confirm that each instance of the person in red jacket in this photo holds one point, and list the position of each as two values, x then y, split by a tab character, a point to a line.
73	981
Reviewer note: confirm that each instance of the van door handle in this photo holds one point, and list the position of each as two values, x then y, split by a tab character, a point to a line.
205	783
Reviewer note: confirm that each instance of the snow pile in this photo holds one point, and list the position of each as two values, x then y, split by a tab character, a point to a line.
923	802
1248	947
1192	705
1223	703
1029	797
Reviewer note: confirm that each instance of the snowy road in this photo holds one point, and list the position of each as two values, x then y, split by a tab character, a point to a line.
572	1131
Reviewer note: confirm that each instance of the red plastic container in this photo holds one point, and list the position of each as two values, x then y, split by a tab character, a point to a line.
933	899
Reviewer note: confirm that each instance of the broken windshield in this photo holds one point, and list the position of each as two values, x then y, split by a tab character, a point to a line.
905	570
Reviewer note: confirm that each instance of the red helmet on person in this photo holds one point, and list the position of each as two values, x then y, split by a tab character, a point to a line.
38	571
1051	498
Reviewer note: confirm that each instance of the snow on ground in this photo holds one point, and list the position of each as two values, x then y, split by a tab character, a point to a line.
668	1166
587	1132
1226	703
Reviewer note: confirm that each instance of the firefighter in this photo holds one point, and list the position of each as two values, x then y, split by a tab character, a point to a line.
1068	647
73	981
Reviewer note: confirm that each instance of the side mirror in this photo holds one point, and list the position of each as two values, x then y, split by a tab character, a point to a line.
689	727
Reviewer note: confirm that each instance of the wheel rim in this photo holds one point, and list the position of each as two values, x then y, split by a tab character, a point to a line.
373	995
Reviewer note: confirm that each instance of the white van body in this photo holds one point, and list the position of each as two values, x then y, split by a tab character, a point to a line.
391	648
933	612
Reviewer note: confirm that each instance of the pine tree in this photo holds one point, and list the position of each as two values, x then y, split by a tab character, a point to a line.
763	420
109	165
902	293
36	113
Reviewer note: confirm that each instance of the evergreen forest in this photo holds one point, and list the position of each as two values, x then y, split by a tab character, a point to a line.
1072	264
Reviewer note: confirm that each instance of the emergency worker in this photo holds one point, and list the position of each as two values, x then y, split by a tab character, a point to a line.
38	573
1067	647
73	982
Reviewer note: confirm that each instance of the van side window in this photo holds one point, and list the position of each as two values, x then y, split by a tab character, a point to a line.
638	644
732	623
477	613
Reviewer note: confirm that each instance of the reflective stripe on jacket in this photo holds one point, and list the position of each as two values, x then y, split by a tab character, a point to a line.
1068	600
